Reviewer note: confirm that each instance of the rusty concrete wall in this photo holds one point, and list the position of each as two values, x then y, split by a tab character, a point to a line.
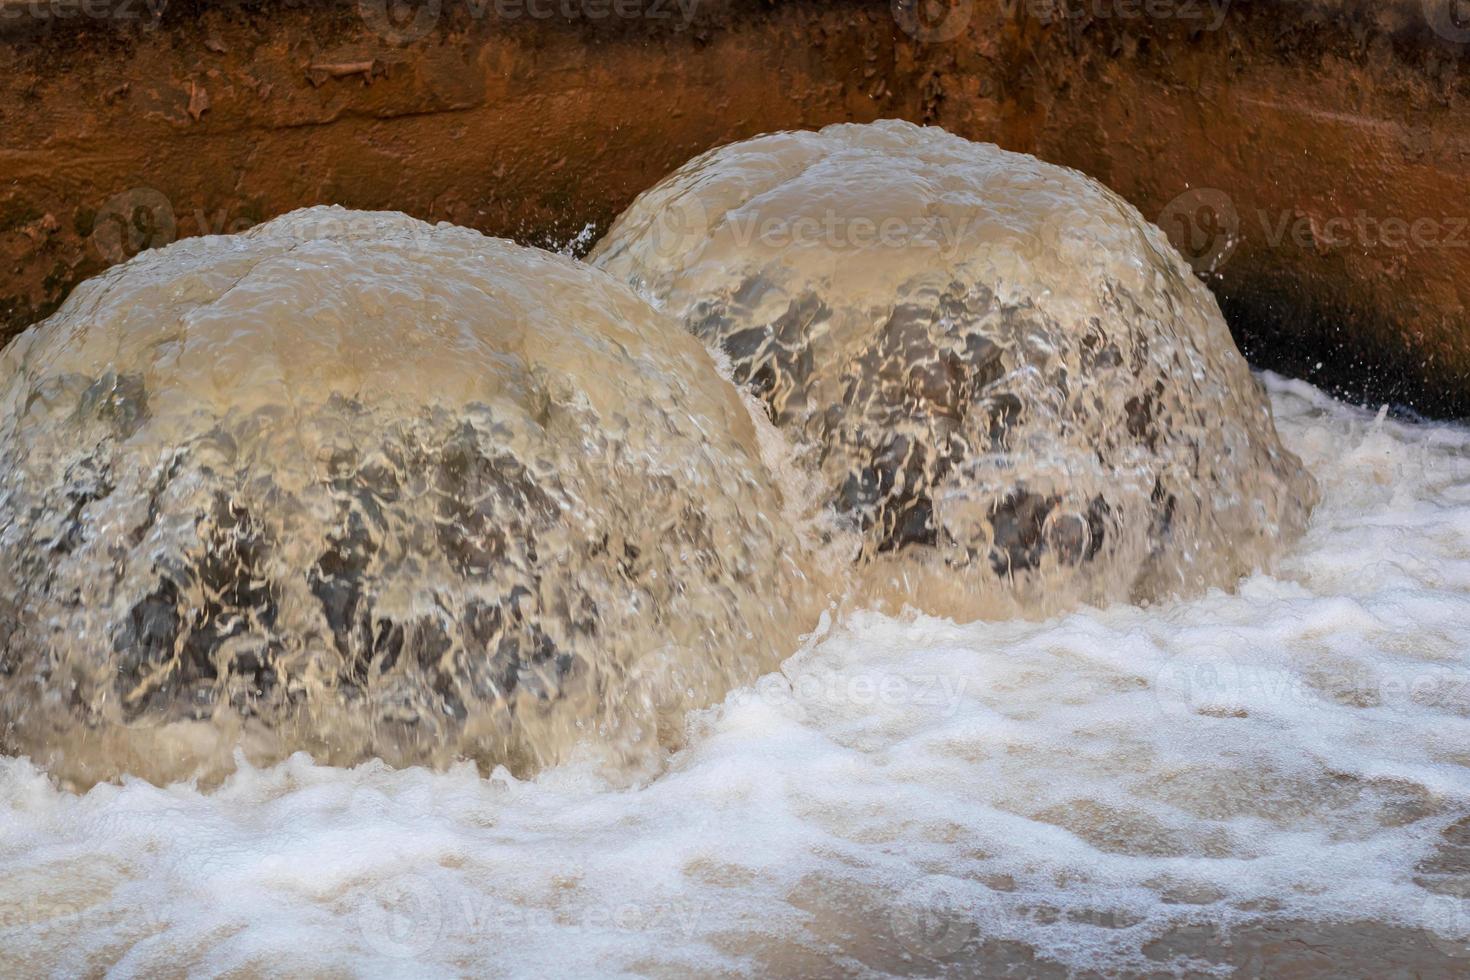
1308	156
1311	158
221	115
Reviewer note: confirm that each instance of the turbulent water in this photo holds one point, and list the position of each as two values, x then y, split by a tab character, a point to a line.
353	484
369	488
1002	372
1276	777
356	484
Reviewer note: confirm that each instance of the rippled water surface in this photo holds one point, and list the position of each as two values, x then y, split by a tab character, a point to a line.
1275	779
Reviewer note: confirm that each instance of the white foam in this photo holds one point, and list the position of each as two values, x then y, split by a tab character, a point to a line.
901	789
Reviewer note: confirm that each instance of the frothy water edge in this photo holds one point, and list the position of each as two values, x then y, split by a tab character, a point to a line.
901	796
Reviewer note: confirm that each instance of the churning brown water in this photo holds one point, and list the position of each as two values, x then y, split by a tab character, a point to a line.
1272	781
1004	375
357	485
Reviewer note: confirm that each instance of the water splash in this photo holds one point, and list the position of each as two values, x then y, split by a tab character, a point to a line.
356	484
1005	377
1268	783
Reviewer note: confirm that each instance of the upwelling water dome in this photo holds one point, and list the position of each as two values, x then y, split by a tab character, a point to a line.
1007	379
363	486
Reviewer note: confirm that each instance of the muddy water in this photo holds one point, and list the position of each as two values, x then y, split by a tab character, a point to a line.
356	485
1004	375
359	485
1275	779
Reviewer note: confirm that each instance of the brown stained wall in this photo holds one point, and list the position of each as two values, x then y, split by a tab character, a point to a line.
1313	158
529	128
1250	137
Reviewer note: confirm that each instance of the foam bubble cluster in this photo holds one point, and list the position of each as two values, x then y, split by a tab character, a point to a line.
996	365
356	484
1270	783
